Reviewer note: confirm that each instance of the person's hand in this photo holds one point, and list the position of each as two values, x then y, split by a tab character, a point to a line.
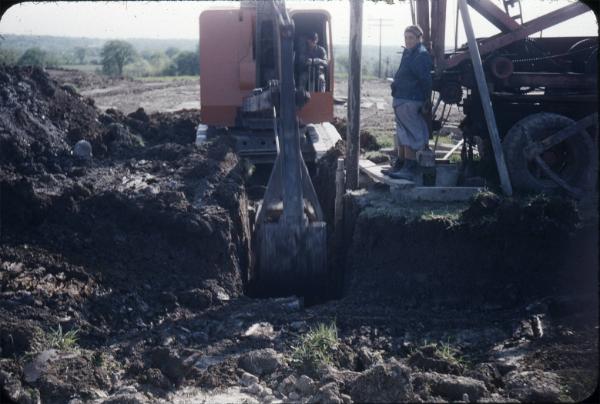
309	61
426	108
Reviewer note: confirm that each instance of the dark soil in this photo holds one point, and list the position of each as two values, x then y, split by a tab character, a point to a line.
122	278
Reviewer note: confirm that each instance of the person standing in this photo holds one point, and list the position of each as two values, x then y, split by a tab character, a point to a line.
411	92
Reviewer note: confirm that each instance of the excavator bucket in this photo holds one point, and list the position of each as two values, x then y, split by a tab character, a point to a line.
292	261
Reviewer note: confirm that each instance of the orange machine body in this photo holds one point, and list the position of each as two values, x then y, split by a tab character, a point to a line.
228	63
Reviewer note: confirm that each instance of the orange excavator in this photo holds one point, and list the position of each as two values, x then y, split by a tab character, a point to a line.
249	74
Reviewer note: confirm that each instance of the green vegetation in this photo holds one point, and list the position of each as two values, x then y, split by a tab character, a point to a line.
445	351
115	55
316	347
64	341
385	138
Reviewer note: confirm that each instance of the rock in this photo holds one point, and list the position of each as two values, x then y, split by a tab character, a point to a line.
384	382
487	373
424	360
367	358
156	378
248	379
450	386
10	386
170	364
82	150
328	393
34	369
260	331
305	385
294	396
196	298
261	361
218	293
343	378
524	330
287	385
254	389
535	385
127	398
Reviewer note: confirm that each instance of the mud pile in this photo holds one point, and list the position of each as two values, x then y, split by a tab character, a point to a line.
151	228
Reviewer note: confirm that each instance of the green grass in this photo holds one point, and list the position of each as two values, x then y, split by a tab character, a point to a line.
168	78
63	341
316	348
445	351
384	138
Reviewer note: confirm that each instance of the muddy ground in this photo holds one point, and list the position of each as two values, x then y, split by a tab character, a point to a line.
122	278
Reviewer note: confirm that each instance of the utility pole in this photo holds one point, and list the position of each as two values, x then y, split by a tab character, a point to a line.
380	23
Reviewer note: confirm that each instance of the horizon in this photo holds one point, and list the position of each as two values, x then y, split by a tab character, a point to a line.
163	20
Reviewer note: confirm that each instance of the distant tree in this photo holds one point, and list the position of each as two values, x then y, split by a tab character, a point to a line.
115	55
8	56
171	51
159	61
187	63
33	57
80	54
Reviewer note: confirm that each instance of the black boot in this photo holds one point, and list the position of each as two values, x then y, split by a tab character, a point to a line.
396	166
408	172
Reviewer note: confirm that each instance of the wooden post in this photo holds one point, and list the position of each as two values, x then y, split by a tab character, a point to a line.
354	79
423	21
486	102
438	33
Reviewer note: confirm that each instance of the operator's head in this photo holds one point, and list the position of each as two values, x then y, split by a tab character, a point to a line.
312	39
413	34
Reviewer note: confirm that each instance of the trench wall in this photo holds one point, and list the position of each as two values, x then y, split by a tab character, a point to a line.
492	252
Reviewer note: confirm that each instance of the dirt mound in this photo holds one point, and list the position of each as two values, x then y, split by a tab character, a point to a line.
368	142
40	121
151	229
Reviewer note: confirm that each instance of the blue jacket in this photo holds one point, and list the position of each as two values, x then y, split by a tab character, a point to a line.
413	80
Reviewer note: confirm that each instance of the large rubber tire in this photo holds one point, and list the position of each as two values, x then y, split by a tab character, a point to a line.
574	159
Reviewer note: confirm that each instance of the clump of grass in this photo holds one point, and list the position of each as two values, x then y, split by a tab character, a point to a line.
317	347
447	352
63	341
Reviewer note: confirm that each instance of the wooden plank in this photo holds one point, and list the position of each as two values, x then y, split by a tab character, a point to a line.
486	103
374	172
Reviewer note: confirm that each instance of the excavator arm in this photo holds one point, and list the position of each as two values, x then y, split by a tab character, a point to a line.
290	234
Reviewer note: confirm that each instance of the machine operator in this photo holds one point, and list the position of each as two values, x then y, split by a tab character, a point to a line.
313	62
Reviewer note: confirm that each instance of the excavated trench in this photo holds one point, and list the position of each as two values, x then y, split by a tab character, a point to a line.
145	251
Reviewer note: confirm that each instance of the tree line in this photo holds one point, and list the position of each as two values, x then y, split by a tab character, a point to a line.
114	58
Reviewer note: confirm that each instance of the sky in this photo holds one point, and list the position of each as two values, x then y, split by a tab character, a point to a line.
179	19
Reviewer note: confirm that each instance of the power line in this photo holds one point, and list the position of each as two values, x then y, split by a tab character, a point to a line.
381	24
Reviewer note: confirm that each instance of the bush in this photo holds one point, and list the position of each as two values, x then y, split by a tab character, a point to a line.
33	57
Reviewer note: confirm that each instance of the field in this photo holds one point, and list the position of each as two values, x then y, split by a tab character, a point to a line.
123	275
